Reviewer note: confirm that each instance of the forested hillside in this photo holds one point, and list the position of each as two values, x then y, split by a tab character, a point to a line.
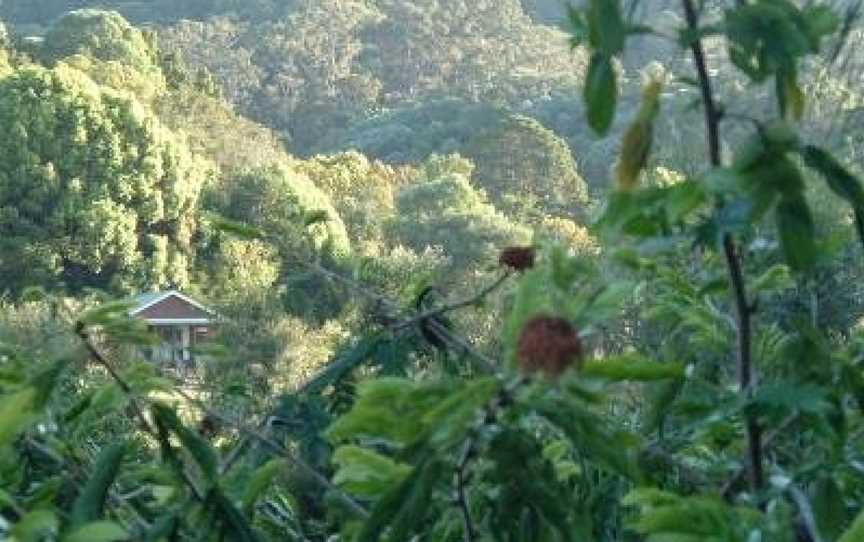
486	270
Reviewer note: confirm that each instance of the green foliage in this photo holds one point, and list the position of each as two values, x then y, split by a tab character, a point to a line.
89	504
102	35
110	202
446	210
370	377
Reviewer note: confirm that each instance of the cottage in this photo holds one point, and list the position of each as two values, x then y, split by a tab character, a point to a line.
179	320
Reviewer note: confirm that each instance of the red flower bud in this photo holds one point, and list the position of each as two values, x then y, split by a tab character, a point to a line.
517	258
548	344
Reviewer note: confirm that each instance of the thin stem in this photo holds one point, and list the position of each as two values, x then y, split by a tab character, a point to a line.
473	300
96	355
733	260
490	416
441	331
461	495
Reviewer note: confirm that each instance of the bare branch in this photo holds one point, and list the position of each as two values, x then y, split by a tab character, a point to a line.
744	308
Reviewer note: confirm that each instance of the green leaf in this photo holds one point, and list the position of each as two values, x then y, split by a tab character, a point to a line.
35	526
162	529
667	517
684	198
88	506
450	420
819	21
588	433
839	179
98	531
236	525
829	507
105	313
607	30
365	473
15	414
776	277
631	367
790	396
45	381
260	480
600	93
345	361
855	533
391	409
198	448
797	232
406	506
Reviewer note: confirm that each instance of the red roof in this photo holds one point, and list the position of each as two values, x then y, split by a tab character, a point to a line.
171	307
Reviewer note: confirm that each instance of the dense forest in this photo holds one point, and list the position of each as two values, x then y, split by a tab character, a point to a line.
484	270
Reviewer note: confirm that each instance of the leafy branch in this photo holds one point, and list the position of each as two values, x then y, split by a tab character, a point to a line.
159	434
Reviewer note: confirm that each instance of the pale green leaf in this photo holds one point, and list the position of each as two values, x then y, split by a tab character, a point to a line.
98	531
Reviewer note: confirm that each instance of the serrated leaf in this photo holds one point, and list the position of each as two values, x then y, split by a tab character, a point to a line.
404	507
366	473
586	432
682	199
454	416
600	93
88	506
106	312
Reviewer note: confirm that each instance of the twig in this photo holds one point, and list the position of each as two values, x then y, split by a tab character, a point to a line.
96	355
473	300
440	330
469	452
461	494
769	439
736	276
489	365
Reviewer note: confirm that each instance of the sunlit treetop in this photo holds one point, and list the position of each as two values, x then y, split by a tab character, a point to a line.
94	191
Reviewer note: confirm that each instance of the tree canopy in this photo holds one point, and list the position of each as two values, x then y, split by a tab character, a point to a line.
94	191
